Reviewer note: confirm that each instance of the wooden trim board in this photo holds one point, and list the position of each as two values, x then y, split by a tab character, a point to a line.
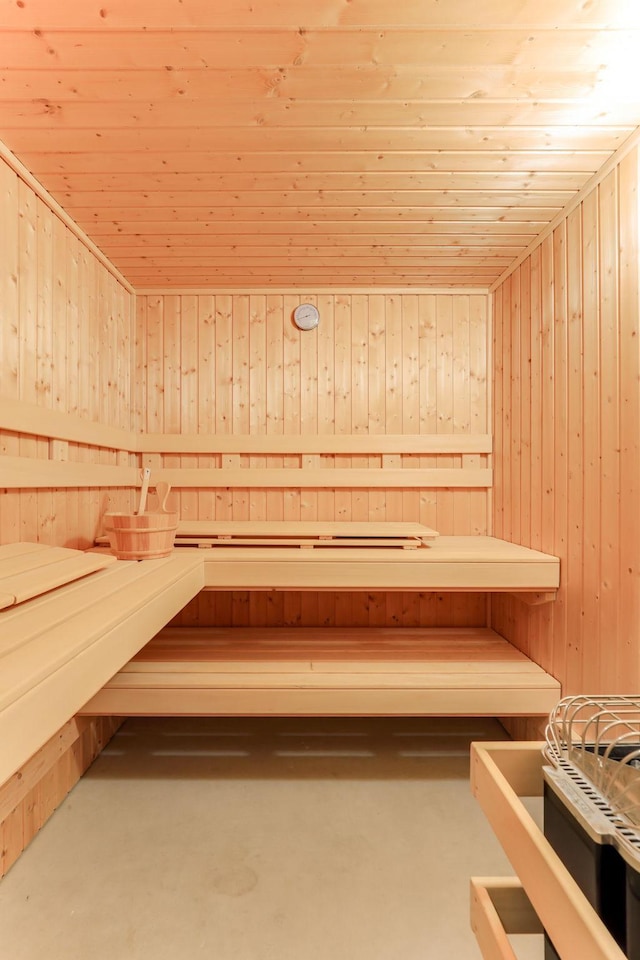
19	416
500	907
29	473
338	478
291	444
33	473
302	533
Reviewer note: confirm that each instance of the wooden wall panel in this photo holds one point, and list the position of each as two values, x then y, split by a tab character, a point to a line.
576	490
378	363
32	794
66	343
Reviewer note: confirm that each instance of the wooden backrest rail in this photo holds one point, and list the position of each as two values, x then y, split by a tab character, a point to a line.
321	458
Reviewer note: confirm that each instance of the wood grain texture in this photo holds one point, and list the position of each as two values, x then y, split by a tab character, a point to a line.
375	124
582	470
311	389
65	348
31	795
327	671
378	365
58	649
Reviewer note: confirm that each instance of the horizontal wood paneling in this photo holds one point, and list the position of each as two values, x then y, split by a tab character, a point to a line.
65	347
567	437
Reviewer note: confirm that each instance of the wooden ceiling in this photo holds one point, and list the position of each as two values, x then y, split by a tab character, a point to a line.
309	143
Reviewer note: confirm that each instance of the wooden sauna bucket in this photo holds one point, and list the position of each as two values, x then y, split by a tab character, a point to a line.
141	536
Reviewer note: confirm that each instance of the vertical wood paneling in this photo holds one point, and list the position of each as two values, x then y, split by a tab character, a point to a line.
560	434
411	389
499	459
535	403
9	288
609	425
478	400
524	403
428	394
582	480
274	395
629	302
189	413
590	634
574	446
445	393
507	358
326	388
10	231
378	363
291	404
61	346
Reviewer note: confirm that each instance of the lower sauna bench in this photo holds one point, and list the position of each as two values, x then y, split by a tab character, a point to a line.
328	671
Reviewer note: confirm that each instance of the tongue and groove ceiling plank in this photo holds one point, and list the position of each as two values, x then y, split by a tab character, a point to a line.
368	142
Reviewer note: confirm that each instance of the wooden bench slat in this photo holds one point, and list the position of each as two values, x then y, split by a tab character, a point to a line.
293	651
332	679
161	669
20	548
28	574
386	645
45	614
46	681
75	617
447	702
304	528
7	600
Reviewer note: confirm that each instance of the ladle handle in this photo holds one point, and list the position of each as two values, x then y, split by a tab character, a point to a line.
163	490
146	474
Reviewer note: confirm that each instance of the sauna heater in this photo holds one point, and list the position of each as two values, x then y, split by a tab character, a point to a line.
592	807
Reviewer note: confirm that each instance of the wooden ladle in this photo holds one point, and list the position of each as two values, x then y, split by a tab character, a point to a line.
162	491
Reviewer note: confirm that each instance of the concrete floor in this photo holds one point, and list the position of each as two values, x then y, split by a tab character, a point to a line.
261	840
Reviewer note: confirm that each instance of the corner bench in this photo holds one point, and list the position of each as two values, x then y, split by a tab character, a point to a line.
78	648
57	649
214	671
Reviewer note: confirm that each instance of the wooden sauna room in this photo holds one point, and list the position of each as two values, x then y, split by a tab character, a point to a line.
351	288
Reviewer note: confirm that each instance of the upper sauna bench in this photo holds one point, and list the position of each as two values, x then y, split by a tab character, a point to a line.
313	555
452	564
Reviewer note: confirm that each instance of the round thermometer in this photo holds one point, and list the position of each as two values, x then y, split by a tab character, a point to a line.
306	316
